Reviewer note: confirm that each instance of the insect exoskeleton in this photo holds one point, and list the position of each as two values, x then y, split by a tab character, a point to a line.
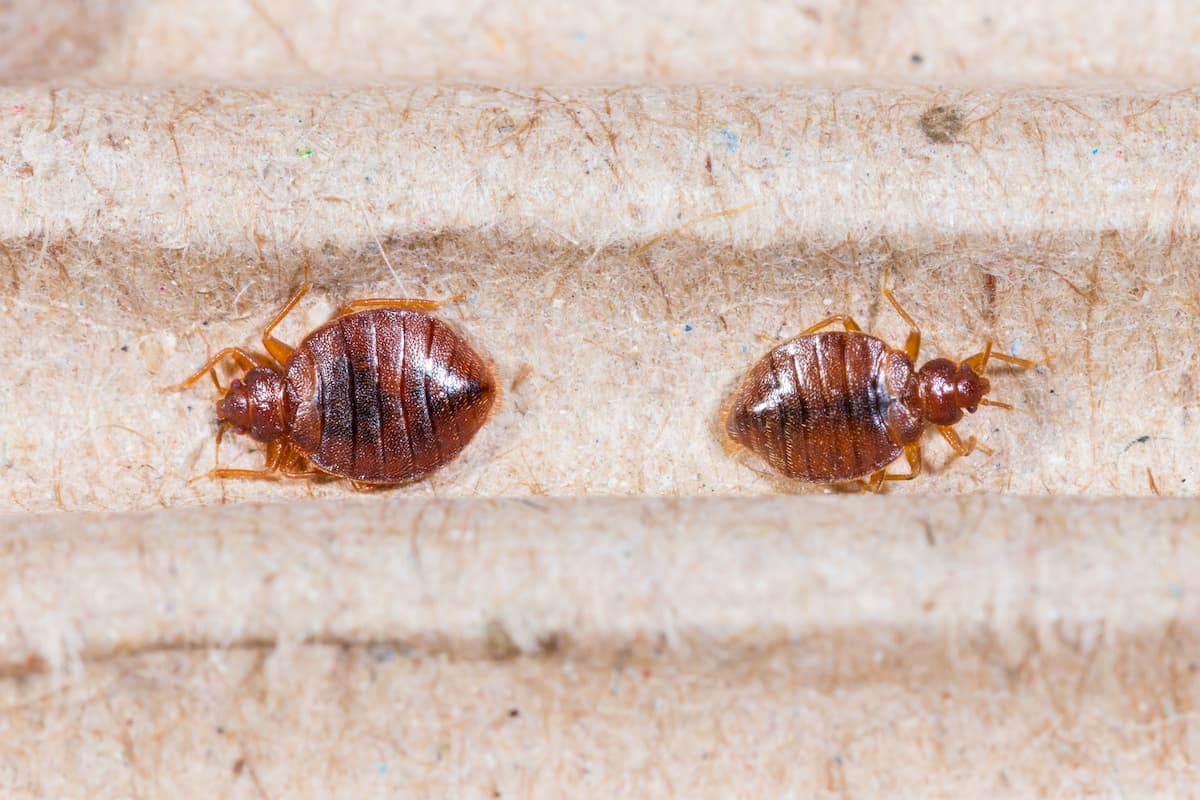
383	393
833	406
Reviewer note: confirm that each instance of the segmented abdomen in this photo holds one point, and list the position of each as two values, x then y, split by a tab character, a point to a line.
385	395
815	408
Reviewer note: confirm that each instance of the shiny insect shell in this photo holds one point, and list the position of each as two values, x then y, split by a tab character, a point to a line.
834	406
383	393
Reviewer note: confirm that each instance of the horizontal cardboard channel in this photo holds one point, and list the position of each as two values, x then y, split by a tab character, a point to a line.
596	577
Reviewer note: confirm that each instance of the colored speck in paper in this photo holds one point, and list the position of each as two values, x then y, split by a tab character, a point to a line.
729	137
687	328
580	36
1120	154
675	331
18	108
1095	150
304	152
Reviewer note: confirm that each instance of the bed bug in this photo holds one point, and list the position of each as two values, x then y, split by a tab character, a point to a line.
383	393
833	406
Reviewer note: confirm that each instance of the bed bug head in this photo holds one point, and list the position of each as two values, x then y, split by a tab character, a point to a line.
947	389
254	405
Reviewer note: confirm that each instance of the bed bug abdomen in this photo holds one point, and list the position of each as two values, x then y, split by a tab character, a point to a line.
827	407
385	395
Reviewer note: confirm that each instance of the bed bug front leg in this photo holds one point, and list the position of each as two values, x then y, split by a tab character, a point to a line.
979	361
960	447
269	472
278	350
245	359
912	454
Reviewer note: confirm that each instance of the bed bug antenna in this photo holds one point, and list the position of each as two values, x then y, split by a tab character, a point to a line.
1008	407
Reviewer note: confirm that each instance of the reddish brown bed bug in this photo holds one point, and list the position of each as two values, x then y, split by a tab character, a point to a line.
827	407
383	393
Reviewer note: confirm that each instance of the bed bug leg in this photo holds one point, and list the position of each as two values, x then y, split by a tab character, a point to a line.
404	303
225	472
847	322
912	454
291	464
245	360
874	483
979	361
278	350
266	473
912	345
960	447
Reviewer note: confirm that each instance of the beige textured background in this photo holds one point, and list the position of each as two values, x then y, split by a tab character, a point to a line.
617	42
634	201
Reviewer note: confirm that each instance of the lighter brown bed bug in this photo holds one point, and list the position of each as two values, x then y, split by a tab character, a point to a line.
383	393
827	407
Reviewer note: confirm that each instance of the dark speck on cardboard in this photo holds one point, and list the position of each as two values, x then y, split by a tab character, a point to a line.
941	124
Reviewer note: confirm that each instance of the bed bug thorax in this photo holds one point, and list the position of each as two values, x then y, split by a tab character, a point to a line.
832	406
383	393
